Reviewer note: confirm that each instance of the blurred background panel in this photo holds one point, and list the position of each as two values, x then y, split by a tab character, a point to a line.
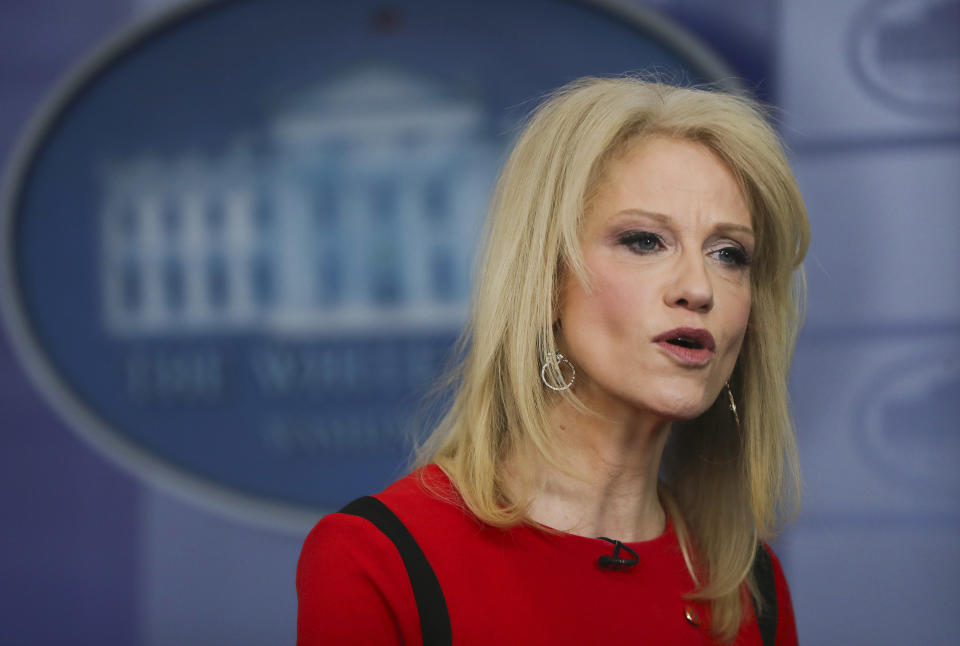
870	94
237	248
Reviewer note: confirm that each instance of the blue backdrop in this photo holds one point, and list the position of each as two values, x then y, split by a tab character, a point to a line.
213	367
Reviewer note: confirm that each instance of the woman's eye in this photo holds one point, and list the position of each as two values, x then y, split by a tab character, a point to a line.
642	242
733	256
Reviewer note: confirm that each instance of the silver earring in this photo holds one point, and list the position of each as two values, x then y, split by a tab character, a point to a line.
733	405
555	359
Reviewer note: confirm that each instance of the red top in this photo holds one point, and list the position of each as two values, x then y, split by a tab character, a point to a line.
516	586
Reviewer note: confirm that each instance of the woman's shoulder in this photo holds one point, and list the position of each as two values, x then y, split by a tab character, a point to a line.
350	569
427	481
423	500
422	494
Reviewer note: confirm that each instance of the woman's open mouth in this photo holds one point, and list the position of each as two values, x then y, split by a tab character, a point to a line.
690	346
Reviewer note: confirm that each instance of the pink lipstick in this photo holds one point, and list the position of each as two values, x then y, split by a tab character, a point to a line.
691	346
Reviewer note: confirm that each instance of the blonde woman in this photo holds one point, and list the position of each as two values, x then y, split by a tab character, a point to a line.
619	445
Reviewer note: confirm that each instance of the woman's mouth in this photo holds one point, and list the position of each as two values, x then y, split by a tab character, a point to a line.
690	346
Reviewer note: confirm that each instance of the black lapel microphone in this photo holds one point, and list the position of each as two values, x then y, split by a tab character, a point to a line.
614	562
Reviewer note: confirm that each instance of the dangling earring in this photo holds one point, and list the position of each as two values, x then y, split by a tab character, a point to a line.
733	405
555	359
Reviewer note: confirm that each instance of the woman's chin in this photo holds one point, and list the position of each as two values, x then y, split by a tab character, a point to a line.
671	401
678	408
669	409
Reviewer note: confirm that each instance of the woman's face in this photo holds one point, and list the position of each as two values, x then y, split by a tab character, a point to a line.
667	242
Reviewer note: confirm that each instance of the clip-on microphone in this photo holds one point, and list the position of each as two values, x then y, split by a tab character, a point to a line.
615	562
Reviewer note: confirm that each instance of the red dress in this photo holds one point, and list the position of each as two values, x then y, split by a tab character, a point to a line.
516	586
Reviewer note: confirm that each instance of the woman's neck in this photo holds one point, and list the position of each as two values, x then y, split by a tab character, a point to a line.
611	487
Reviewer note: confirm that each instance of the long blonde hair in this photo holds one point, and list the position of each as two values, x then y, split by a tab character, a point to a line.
725	486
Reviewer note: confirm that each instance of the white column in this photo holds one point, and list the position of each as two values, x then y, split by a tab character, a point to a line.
412	215
195	249
239	238
294	268
469	207
356	240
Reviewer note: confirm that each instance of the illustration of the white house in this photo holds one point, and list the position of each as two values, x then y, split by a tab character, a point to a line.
359	210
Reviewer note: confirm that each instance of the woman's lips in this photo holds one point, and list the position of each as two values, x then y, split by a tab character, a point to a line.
690	346
689	356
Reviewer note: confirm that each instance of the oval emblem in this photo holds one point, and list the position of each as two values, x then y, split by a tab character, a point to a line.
909	422
237	245
906	53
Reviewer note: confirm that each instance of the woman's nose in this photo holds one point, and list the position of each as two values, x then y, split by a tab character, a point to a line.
690	287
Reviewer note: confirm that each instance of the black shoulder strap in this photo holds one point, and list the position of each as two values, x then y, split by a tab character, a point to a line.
434	619
766	583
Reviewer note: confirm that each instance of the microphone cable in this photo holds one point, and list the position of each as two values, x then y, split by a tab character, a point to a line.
615	562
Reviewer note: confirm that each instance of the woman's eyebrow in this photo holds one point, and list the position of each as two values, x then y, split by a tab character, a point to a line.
727	227
659	217
662	218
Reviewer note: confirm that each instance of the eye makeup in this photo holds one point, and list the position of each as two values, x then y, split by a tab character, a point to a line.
641	242
733	255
